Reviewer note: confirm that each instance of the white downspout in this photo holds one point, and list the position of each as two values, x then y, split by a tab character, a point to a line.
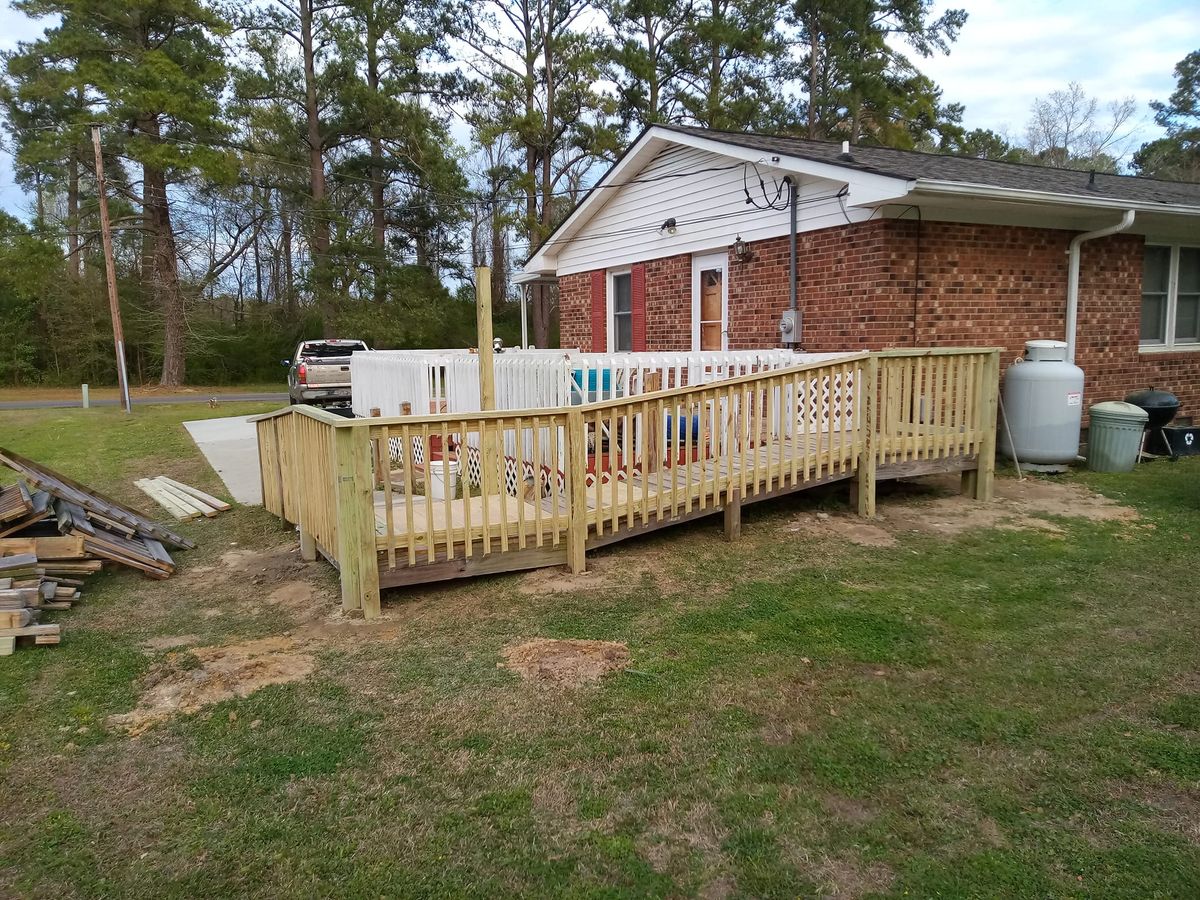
525	289
1073	274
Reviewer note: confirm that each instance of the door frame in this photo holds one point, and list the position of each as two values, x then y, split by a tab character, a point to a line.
700	263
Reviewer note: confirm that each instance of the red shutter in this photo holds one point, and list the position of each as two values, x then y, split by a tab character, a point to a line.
637	290
599	312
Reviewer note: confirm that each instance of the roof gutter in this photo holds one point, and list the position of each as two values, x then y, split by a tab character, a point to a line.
1017	195
1073	274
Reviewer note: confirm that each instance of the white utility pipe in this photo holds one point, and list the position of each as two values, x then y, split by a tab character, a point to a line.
1073	274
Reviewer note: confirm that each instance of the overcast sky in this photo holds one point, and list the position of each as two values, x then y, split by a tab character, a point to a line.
1009	53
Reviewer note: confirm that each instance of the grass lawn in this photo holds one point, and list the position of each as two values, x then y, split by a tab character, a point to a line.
99	392
998	712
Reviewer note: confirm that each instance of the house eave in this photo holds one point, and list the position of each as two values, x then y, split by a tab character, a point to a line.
933	189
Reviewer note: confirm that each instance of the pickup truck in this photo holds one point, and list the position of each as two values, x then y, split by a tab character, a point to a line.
319	373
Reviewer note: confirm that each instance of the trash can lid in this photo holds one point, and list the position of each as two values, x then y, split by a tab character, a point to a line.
1119	409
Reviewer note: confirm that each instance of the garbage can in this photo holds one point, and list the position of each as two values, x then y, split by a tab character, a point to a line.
1115	436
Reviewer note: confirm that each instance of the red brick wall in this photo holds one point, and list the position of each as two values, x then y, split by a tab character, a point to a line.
575	310
981	285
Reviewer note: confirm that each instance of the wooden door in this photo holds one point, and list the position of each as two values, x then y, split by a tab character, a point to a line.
709	293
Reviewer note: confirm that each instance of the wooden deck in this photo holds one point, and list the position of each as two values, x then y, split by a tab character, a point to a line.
531	495
619	508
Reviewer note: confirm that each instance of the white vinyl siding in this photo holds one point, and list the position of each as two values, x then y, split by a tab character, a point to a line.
704	193
1170	316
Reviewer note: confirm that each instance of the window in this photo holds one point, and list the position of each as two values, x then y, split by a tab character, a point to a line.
620	298
1171	296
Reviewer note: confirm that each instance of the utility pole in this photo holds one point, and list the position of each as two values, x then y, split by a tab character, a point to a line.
110	270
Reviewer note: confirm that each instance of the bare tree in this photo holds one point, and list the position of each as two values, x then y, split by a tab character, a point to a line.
1069	130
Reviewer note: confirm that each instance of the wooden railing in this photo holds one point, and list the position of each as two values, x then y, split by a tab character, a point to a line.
424	497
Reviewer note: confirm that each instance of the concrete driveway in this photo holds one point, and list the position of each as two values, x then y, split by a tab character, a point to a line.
231	448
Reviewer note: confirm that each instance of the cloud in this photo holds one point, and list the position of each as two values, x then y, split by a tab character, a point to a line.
1011	52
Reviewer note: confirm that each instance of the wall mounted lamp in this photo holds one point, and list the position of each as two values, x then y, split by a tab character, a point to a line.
741	249
668	226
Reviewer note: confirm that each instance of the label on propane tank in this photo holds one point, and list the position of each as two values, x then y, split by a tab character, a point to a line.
1074	398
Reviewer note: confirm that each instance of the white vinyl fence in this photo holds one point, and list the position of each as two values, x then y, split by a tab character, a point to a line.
435	381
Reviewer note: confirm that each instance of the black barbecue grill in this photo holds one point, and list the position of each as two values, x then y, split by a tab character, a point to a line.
1161	407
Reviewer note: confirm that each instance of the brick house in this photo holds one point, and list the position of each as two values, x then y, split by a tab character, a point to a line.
686	244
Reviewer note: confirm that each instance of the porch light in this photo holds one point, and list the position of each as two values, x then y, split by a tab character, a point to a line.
668	226
741	249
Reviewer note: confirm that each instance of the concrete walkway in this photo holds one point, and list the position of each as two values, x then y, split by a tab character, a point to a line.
231	447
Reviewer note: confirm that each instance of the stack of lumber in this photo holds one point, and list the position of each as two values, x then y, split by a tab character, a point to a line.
55	531
181	500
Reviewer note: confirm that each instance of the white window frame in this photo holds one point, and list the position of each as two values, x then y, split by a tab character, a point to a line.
1168	344
701	263
610	302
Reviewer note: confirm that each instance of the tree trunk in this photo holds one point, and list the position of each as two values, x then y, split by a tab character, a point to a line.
378	214
289	274
322	272
258	280
814	45
74	256
654	85
165	276
499	252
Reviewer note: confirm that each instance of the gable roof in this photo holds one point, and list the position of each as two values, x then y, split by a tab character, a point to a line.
913	165
877	176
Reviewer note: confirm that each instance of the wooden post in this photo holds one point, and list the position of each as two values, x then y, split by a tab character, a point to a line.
864	481
490	463
308	545
483	328
354	493
987	446
382	472
654	427
114	306
577	526
733	515
86	401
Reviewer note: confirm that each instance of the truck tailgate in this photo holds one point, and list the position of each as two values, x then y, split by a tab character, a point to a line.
327	372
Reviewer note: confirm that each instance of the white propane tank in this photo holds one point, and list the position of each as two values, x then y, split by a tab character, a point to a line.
1043	403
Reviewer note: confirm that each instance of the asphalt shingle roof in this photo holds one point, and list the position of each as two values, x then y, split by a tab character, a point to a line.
964	169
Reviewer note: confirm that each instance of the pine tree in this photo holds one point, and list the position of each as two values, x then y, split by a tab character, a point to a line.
153	72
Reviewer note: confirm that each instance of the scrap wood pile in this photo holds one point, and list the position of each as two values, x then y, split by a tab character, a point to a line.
53	533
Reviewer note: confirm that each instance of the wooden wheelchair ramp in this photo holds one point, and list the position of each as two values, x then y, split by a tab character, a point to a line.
541	487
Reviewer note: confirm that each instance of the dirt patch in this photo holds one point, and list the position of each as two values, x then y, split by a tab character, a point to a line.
934	506
566	662
1019	505
255	567
1174	808
847	809
846	877
169	642
298	596
636	560
847	528
559	581
187	682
